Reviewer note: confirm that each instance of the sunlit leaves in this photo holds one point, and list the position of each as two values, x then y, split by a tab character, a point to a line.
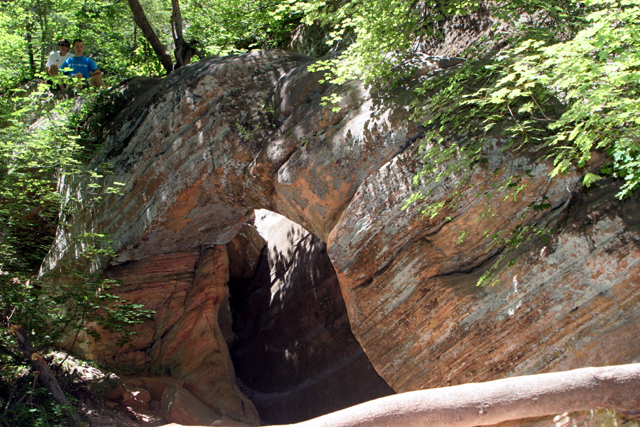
580	91
31	29
30	157
225	27
376	35
13	66
565	84
38	147
596	75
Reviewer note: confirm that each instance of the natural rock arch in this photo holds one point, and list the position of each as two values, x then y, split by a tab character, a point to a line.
219	138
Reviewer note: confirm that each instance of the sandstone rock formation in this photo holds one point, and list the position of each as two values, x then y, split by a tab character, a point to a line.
220	138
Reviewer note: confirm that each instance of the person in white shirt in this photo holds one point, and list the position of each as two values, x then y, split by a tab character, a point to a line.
56	59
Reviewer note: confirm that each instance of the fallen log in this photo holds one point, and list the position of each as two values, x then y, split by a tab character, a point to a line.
493	402
46	376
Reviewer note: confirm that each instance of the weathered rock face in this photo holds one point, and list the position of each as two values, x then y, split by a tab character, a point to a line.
568	303
185	339
222	137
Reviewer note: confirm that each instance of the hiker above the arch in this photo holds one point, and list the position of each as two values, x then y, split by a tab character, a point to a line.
82	67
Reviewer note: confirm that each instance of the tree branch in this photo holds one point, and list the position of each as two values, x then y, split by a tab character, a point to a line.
147	31
184	51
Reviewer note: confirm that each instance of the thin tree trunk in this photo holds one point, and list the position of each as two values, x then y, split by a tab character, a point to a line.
46	376
32	62
184	51
147	31
43	8
176	20
480	404
45	37
181	52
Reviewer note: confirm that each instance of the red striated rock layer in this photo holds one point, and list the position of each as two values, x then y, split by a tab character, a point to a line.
570	302
161	284
183	340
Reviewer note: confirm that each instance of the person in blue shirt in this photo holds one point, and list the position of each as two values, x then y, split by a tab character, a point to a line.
82	67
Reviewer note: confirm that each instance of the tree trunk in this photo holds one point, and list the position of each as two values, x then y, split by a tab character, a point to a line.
479	404
184	51
147	31
46	376
30	54
176	29
45	37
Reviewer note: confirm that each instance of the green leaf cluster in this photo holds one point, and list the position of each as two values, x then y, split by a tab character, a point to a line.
569	90
562	80
371	40
227	27
366	38
559	75
31	29
25	402
594	78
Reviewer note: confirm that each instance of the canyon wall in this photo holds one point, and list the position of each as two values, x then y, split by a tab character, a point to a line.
203	148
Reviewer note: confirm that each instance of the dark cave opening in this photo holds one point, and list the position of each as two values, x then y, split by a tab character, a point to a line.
291	344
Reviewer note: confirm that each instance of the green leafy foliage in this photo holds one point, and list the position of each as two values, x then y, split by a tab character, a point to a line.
29	159
594	77
226	27
371	40
567	80
376	35
41	143
31	29
112	39
12	67
563	81
25	402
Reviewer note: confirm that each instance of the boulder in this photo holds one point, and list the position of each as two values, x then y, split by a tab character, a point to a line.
138	398
180	406
156	386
